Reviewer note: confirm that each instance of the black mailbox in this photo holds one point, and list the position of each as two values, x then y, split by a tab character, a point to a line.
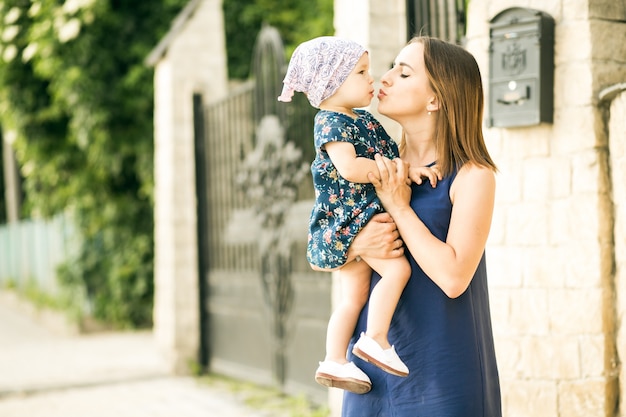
521	68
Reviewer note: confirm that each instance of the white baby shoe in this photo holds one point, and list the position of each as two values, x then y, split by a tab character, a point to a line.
369	350
344	376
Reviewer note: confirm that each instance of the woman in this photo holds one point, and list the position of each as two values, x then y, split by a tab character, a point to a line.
442	322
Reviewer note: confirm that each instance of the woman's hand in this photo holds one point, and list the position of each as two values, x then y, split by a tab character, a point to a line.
378	239
391	183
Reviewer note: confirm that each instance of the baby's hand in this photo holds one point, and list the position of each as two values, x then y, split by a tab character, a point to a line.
418	174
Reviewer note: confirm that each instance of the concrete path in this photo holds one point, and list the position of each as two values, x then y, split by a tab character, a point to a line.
46	373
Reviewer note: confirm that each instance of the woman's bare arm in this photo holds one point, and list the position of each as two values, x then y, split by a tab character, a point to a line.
450	264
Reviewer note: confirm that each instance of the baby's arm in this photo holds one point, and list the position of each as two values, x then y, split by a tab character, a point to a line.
417	175
355	168
351	167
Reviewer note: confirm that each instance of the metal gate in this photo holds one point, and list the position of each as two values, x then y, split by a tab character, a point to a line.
264	310
444	19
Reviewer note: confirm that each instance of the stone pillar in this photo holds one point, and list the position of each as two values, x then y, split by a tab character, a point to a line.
380	26
190	60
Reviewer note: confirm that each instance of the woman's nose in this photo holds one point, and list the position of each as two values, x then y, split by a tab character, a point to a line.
385	78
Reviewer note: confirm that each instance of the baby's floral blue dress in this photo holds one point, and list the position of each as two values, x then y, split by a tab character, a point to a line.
342	207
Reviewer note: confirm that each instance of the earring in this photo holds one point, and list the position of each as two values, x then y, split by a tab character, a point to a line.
429	113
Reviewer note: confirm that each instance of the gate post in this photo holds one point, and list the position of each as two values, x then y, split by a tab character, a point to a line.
190	59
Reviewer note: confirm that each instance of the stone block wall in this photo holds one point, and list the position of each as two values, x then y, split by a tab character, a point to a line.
551	249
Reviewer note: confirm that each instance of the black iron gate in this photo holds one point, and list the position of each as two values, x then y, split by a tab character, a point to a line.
444	19
264	310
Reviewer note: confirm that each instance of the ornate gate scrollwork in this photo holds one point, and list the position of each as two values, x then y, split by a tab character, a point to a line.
270	177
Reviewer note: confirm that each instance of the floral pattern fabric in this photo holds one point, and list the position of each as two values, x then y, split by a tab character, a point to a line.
342	207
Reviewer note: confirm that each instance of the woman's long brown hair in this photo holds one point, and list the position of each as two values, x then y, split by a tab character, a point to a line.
455	78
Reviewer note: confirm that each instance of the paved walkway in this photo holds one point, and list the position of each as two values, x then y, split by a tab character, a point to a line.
48	374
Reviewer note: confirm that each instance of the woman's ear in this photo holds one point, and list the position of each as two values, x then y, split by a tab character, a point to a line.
433	104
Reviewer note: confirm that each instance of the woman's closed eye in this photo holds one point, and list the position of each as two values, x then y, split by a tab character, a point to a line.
395	65
405	69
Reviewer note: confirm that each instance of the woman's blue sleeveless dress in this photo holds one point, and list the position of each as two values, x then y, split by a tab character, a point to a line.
446	343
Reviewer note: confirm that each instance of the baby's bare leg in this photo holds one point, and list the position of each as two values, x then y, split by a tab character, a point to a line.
354	279
394	274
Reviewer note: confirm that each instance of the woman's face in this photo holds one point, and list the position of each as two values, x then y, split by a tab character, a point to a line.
406	91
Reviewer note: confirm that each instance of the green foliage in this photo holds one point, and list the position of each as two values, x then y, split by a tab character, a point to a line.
296	20
75	94
75	91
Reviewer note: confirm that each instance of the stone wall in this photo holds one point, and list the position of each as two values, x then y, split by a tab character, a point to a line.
551	247
551	252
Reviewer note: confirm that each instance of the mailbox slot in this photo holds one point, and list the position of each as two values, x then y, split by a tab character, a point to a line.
521	68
